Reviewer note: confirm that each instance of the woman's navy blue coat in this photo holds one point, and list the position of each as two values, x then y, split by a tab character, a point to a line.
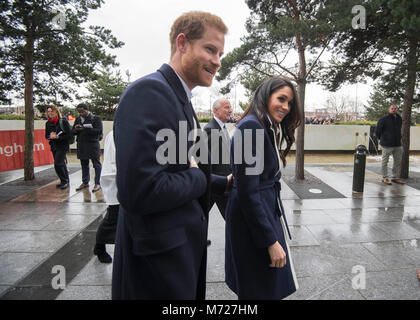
254	219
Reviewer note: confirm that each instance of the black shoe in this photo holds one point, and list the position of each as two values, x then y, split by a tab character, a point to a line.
64	186
208	242
102	255
58	185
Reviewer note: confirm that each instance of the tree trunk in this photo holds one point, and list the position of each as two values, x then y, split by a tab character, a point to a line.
408	102
29	110
300	140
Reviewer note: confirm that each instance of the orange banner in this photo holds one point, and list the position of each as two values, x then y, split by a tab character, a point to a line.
12	144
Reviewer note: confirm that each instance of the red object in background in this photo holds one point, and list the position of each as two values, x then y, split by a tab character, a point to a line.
12	143
70	117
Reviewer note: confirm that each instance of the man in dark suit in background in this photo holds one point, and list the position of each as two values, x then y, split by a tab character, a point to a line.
219	146
89	131
160	245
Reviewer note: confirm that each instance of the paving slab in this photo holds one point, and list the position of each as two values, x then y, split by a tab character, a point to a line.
333	259
333	287
219	291
85	293
396	254
15	265
400	284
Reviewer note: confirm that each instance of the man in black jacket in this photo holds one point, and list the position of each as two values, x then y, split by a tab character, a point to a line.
89	131
219	144
388	131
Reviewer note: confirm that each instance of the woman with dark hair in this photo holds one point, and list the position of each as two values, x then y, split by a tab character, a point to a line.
258	263
58	132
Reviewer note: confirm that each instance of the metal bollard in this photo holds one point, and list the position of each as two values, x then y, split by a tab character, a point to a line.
359	168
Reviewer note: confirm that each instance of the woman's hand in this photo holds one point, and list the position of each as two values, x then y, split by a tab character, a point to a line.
193	163
277	255
53	135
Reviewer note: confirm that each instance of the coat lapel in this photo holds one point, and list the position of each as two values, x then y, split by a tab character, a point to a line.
177	87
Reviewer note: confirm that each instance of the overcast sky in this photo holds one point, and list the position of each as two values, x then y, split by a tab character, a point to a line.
144	27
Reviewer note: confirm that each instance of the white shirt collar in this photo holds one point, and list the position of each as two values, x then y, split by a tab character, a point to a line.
221	124
187	90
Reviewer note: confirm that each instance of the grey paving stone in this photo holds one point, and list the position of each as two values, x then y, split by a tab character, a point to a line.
94	273
392	285
333	259
301	237
82	208
396	254
378	202
29	207
414	224
25	222
398	230
219	291
334	287
215	265
313	204
33	241
3	289
85	293
14	266
358	215
348	233
8	193
308	217
70	222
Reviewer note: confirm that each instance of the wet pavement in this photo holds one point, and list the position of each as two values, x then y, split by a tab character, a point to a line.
345	245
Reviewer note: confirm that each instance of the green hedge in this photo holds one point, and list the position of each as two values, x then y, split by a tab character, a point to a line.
15	117
204	119
356	123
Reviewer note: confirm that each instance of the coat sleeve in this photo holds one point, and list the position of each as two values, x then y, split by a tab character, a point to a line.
248	184
73	130
97	127
66	132
143	184
379	127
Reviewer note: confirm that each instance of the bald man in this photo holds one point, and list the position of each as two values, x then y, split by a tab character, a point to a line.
219	146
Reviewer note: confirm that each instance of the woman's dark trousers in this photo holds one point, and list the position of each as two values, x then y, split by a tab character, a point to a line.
60	166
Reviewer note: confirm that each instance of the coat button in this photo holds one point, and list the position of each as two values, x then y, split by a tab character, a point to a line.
203	217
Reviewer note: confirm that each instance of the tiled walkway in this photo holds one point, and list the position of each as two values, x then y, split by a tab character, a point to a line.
352	246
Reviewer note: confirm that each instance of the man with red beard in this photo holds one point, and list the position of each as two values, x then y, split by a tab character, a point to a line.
160	246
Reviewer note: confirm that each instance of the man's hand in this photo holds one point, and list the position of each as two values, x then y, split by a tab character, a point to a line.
277	255
53	136
229	183
78	127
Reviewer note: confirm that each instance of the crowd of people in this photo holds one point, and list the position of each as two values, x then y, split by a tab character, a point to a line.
319	120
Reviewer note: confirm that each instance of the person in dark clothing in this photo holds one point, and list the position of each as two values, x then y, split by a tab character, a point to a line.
221	141
107	228
219	148
88	129
58	132
388	131
258	262
160	244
